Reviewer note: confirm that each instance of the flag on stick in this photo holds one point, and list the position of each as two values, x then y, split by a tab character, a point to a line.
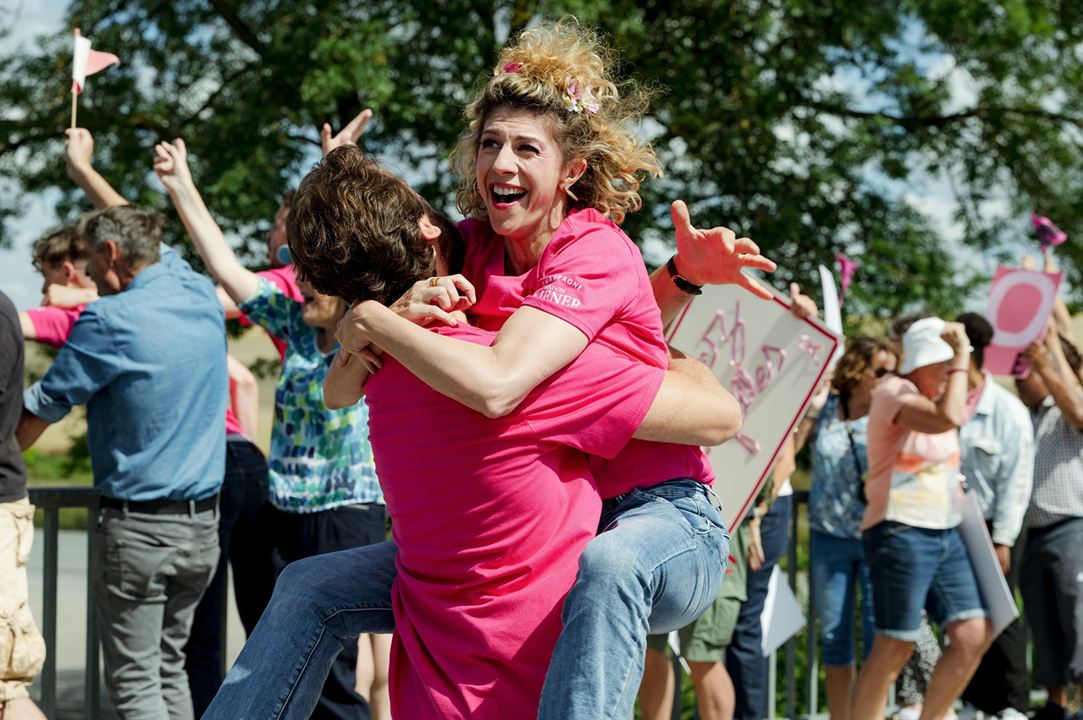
86	62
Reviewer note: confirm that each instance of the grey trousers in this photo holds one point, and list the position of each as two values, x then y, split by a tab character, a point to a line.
1052	587
152	571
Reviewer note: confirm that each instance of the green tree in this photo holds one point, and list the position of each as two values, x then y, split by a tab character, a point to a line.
802	123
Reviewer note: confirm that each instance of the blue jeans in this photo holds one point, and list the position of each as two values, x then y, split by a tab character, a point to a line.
916	568
838	570
655	567
319	607
744	657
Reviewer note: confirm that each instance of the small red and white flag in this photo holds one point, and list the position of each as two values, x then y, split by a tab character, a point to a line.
87	62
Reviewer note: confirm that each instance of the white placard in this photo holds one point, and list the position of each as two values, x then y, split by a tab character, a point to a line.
994	590
782	617
771	361
832	309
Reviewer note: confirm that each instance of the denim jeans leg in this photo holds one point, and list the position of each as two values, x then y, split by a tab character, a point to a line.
833	576
319	604
656	568
744	657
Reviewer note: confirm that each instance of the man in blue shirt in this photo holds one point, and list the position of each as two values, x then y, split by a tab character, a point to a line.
149	362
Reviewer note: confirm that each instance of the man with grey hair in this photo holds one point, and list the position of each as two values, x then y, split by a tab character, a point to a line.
149	362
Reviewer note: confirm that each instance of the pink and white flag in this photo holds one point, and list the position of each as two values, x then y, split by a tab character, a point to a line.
87	62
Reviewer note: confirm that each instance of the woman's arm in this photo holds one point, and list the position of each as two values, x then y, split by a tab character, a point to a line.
171	165
493	380
706	257
1065	391
919	413
244	395
691	407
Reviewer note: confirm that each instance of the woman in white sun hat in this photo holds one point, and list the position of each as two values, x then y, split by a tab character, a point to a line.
916	558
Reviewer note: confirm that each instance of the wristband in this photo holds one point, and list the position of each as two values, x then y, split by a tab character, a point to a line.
680	281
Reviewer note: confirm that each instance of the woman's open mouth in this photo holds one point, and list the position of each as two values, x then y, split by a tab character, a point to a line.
504	195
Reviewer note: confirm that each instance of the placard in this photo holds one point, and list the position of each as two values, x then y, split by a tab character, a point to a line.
1020	303
995	595
771	361
782	616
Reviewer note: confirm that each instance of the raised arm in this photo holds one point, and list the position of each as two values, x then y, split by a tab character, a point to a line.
691	407
706	257
919	413
1047	359
171	166
79	154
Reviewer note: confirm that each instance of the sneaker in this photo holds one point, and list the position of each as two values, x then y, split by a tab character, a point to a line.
1011	714
969	712
908	712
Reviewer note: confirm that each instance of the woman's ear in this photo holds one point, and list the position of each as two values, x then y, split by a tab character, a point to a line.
429	231
574	170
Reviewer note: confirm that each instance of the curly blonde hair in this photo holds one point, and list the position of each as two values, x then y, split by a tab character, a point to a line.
537	73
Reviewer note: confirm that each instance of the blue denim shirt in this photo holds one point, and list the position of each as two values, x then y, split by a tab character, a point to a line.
834	505
997	446
150	365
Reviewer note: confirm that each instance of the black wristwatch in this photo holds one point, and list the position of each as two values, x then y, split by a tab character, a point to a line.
680	281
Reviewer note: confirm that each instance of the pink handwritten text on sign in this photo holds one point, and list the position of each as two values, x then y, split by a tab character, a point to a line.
771	361
745	386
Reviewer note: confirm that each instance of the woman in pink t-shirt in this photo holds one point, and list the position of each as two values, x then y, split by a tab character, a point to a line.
489	514
547	168
916	558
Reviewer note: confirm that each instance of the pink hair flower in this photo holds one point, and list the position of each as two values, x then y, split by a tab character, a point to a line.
513	68
577	100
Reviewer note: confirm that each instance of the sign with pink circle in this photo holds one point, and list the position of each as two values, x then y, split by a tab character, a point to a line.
1020	303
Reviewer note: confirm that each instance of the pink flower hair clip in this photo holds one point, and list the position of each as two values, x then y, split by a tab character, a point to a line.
513	68
577	100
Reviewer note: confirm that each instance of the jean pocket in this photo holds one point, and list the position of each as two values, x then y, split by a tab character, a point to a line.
137	565
700	515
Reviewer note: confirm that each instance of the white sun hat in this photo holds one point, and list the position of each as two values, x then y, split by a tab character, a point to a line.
922	345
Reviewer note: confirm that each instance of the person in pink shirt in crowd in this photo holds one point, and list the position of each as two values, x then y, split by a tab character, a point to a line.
548	167
489	514
917	560
62	258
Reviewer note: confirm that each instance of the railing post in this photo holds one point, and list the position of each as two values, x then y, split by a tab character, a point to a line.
91	677
791	645
678	696
48	621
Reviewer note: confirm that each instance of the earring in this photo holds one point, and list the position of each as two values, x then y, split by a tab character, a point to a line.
568	191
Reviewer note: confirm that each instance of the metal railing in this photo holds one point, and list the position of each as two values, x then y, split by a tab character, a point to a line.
50	500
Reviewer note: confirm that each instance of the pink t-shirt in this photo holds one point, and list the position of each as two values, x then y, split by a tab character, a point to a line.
53	325
490	517
913	477
285	279
592	276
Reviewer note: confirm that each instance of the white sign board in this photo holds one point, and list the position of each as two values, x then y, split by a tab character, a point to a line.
782	617
771	361
995	594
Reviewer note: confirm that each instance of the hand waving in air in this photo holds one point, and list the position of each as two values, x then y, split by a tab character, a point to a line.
349	135
716	256
171	164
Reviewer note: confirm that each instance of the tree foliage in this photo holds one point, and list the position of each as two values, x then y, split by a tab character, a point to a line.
808	125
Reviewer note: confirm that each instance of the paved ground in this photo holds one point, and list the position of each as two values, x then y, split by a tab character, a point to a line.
71	621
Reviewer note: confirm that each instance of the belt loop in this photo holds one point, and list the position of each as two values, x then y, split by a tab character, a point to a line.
124	507
191	508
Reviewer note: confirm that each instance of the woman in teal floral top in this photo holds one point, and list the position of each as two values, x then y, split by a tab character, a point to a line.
322	476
